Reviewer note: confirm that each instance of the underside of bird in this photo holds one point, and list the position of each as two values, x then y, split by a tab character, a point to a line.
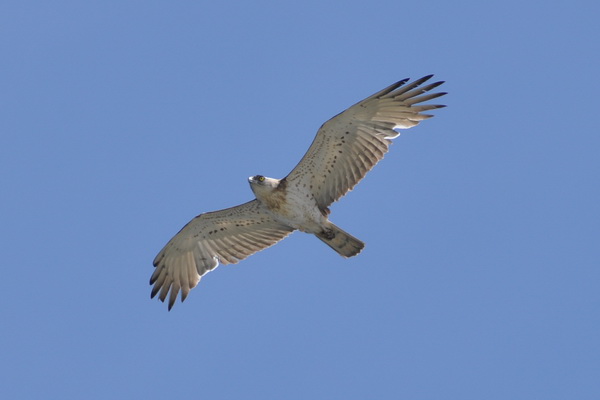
344	150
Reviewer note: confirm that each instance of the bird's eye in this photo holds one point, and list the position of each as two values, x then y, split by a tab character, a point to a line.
261	178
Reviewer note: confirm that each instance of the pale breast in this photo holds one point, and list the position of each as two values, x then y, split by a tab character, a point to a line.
296	209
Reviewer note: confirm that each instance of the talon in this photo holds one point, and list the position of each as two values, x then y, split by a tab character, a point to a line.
329	234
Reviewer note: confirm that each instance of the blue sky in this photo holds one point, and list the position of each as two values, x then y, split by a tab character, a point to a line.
120	121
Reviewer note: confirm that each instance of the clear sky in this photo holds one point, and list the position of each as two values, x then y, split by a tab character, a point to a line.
122	120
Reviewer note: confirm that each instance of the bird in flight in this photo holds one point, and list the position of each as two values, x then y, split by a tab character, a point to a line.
345	148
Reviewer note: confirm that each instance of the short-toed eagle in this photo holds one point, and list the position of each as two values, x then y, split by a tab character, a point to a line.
345	148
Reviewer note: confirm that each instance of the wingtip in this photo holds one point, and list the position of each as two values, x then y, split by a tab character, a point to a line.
173	300
419	81
154	291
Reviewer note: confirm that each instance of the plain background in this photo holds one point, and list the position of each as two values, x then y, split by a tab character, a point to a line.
122	120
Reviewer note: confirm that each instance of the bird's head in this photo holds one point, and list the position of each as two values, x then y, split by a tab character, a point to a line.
261	184
261	180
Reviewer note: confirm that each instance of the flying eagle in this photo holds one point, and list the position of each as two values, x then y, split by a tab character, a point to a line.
345	149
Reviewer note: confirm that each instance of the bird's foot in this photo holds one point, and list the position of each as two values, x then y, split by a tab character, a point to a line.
328	233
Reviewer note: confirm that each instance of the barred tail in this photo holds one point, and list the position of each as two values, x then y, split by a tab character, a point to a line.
342	242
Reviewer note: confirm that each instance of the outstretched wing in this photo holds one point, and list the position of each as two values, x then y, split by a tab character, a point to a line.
351	143
225	236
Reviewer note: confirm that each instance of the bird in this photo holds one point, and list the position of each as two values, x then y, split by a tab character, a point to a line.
344	149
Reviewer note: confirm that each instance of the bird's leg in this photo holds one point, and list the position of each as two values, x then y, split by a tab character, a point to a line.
328	233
